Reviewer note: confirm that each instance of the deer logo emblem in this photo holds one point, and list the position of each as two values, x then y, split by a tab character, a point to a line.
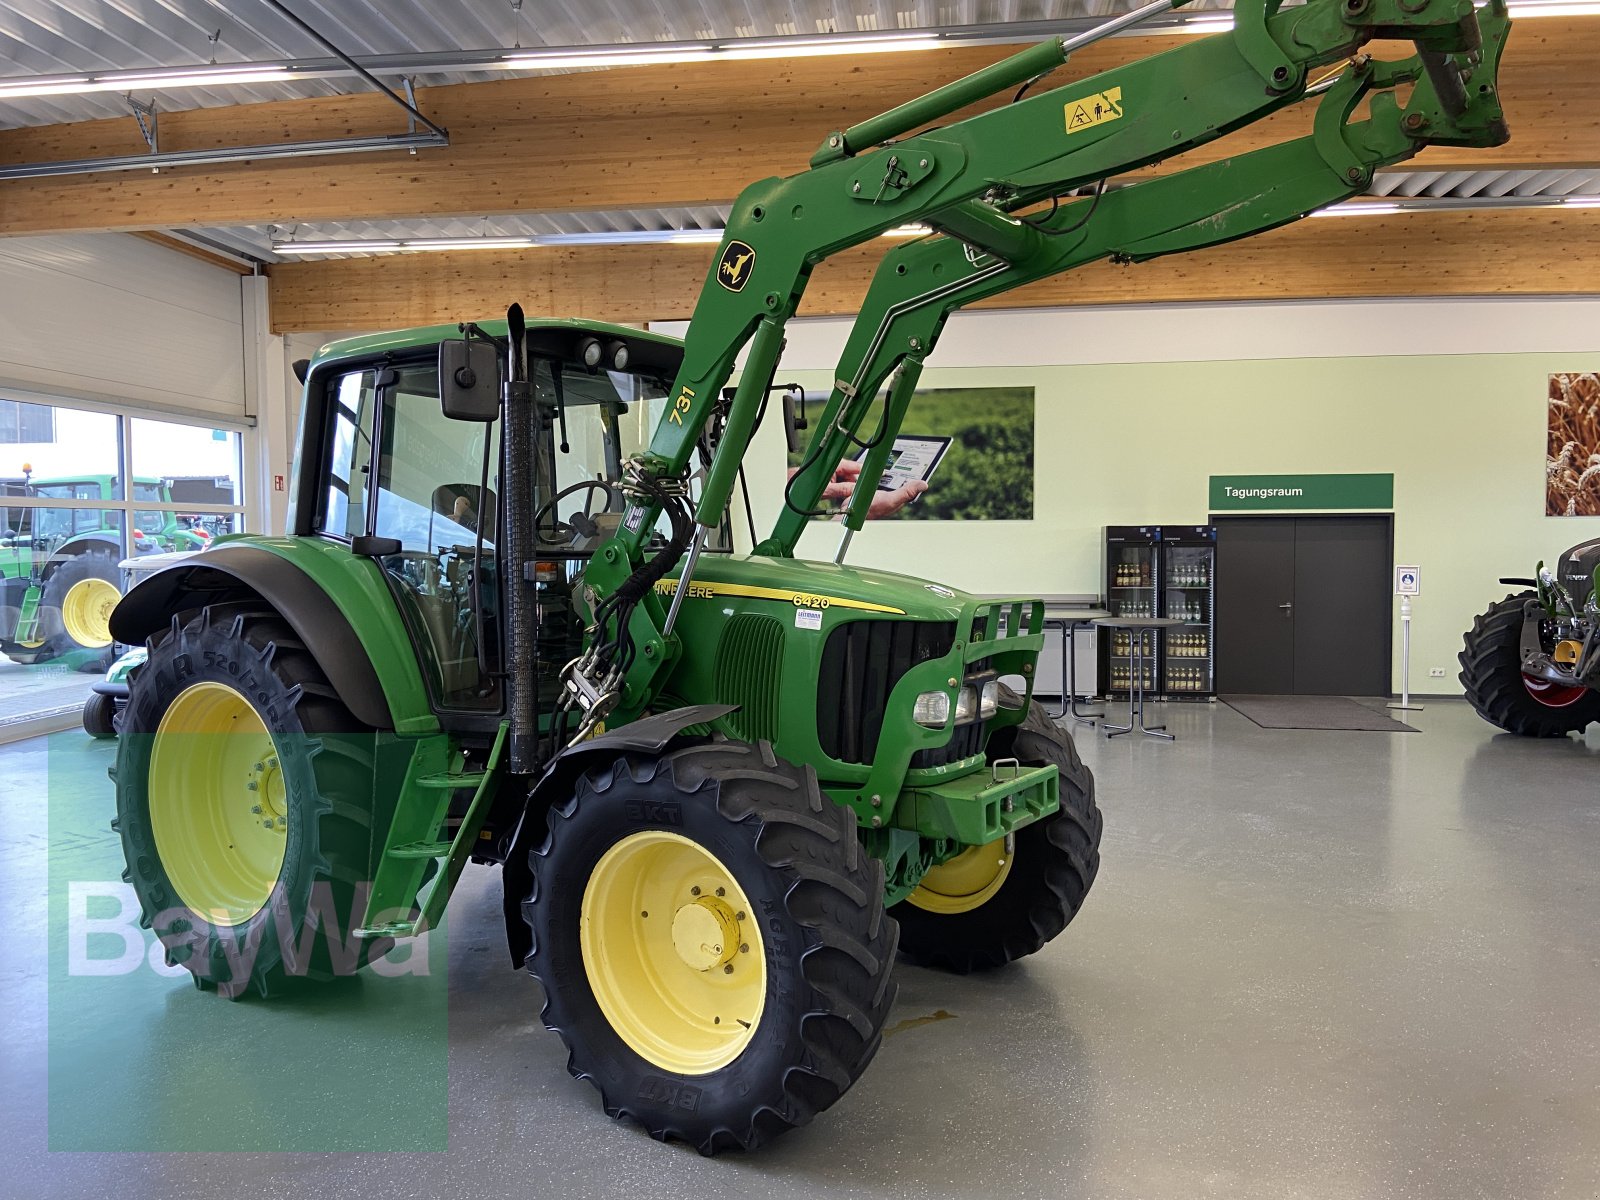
733	269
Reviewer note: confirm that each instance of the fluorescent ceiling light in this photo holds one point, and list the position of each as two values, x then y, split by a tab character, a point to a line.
1357	209
692	237
644	55
1581	202
469	243
1555	8
127	81
621	237
809	48
354	247
395	246
632	237
565	59
1199	25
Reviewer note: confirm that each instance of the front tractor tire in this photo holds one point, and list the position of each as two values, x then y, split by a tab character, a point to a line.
987	907
76	608
712	943
243	803
1491	673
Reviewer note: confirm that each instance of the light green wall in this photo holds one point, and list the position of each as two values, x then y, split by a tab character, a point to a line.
1131	444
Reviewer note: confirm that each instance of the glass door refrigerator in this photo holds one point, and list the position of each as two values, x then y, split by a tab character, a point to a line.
1187	556
1132	565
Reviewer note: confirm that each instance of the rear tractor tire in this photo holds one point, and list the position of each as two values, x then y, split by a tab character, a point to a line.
1491	673
243	793
987	907
76	608
712	943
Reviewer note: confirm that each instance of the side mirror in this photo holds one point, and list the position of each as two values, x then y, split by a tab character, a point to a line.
794	417
469	379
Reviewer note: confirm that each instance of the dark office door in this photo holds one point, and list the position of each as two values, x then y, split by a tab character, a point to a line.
1303	605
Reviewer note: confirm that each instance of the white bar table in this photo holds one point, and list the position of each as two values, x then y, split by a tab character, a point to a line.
1137	627
1070	621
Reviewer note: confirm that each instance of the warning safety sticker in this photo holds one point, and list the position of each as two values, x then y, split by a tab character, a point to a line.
1094	110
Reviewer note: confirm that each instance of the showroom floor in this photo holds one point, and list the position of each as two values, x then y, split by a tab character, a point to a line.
1318	964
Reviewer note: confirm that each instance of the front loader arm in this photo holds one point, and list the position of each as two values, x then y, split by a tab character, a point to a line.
919	284
963	180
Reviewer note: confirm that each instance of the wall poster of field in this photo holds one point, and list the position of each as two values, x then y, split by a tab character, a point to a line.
987	473
1572	459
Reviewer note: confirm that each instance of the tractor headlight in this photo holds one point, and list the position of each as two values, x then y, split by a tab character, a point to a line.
932	709
989	699
967	705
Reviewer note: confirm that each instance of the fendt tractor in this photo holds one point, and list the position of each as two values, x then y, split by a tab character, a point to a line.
1531	663
724	788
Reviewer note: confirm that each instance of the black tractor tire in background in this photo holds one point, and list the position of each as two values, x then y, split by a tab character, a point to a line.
1054	864
828	945
99	715
326	759
1491	673
91	564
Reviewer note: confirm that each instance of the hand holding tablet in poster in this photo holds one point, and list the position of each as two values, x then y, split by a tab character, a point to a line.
885	501
906	473
910	464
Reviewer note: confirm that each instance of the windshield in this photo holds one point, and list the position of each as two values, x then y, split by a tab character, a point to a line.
609	417
149	522
60	522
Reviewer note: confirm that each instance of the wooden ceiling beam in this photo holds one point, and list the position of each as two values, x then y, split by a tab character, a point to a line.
1476	253
645	137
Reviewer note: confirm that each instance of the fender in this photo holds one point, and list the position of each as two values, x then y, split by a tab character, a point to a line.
83	543
649	735
243	570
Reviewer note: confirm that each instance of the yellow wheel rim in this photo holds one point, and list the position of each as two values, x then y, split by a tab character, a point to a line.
965	882
218	807
673	952
86	612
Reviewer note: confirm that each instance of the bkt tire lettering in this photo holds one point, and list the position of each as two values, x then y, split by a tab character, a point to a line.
660	812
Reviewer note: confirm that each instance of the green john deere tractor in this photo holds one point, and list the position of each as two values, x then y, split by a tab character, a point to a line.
504	625
59	579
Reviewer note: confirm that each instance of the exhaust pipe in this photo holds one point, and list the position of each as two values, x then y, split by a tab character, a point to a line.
521	430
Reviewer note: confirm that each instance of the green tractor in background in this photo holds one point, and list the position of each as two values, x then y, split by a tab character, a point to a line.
59	578
505	626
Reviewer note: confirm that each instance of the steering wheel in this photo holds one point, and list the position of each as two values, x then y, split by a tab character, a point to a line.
562	531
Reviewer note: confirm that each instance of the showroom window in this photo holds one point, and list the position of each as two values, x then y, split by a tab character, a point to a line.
84	497
23	422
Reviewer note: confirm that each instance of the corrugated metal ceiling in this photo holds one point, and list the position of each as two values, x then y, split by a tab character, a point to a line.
44	37
1443	188
255	241
49	37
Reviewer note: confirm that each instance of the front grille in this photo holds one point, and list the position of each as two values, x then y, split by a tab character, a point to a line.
749	673
861	663
964	742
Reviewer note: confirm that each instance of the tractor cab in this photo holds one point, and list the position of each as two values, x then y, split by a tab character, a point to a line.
413	476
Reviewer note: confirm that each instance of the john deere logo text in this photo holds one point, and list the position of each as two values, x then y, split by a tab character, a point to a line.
1094	110
733	271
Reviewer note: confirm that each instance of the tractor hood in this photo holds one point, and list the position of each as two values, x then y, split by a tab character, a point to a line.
800	583
1575	569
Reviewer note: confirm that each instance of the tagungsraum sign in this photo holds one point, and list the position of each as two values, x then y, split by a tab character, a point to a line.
1234	493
